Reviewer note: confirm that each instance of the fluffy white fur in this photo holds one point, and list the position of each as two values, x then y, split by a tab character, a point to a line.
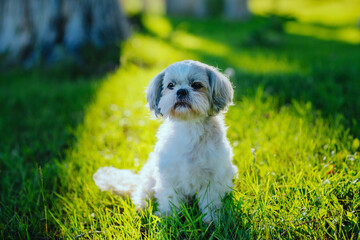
192	156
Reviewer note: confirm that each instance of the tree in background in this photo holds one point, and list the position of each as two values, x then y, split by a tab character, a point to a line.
37	30
236	9
197	8
231	9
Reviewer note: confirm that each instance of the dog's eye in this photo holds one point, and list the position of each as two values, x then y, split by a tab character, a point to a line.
196	85
170	86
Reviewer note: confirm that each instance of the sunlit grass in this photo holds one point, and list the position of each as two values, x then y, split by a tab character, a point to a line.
341	14
298	172
149	51
116	131
189	41
263	64
158	25
347	34
186	45
335	13
135	6
258	63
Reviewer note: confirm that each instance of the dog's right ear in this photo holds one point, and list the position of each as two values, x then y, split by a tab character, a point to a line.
153	93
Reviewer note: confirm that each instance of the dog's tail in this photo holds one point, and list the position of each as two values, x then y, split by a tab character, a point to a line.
121	182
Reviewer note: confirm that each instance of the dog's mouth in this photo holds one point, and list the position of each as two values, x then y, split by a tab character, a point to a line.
182	104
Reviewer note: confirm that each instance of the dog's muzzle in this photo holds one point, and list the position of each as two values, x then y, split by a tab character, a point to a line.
182	104
182	94
182	98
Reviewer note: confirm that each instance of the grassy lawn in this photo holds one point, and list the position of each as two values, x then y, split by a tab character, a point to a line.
294	130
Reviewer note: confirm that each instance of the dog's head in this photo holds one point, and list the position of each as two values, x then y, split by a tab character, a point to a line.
189	90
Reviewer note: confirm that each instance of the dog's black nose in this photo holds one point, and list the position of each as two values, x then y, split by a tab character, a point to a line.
181	93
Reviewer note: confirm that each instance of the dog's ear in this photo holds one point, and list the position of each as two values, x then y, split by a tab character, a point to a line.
221	92
153	93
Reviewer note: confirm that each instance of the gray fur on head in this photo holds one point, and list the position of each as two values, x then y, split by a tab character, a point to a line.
213	96
222	91
153	93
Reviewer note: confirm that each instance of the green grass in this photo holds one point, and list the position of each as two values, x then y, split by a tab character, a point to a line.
39	113
293	129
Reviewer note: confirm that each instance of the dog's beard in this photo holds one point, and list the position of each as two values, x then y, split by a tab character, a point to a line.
182	104
195	106
182	110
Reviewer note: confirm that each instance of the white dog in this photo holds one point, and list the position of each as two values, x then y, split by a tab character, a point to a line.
192	156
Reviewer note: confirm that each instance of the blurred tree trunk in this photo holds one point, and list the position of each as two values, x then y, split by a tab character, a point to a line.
34	30
197	8
145	5
236	9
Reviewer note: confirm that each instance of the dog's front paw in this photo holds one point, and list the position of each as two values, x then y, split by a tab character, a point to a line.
163	213
207	219
158	214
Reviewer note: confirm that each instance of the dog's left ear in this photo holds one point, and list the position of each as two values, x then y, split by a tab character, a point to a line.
153	93
221	90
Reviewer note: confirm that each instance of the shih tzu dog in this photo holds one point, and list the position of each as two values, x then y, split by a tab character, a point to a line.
192	157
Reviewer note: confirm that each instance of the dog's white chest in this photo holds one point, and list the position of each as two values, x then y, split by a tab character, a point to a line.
190	151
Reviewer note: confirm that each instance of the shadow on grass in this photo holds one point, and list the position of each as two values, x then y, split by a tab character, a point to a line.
39	111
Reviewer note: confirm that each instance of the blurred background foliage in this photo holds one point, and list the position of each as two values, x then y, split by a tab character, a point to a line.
69	109
304	49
